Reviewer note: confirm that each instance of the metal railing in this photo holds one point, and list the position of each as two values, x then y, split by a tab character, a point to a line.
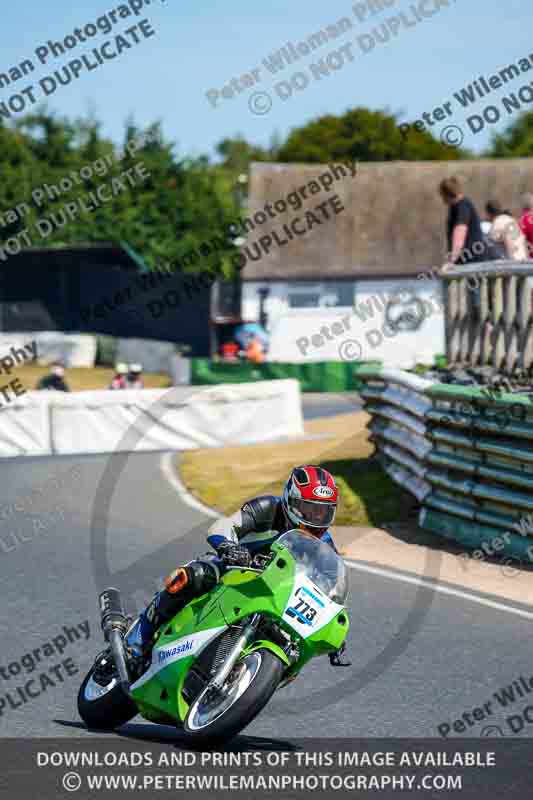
489	316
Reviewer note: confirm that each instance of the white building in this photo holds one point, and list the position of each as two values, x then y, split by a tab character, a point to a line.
397	321
322	284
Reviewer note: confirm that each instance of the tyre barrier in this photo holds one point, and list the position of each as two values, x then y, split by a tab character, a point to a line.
465	453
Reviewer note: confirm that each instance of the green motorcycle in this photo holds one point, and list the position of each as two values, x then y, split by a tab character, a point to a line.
217	663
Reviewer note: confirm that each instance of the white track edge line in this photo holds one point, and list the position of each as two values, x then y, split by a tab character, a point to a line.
166	467
417	581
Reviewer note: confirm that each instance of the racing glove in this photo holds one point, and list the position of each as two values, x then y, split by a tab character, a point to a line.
335	657
234	555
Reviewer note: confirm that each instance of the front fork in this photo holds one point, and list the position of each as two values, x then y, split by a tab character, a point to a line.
218	680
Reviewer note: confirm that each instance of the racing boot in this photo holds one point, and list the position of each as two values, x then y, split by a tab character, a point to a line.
335	658
139	639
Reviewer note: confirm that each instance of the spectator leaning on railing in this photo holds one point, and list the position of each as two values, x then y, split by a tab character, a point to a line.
466	243
526	220
505	231
464	234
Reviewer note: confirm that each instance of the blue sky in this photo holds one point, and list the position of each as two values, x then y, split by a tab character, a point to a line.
202	47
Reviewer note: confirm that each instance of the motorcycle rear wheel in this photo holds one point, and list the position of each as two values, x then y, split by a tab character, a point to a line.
213	716
104	707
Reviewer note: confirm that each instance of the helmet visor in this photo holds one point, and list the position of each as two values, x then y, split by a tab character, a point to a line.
313	513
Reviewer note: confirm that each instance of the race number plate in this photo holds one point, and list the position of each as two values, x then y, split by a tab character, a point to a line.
308	608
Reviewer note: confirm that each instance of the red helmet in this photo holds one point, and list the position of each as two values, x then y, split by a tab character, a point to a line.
310	498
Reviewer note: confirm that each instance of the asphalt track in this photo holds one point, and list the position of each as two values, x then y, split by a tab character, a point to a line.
316	405
420	657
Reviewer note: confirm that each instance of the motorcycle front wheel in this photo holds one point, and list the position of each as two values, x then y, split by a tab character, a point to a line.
216	715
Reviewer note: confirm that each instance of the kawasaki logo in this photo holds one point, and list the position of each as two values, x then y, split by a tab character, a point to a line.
323	491
174	651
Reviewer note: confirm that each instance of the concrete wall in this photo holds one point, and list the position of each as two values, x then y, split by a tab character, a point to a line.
394	219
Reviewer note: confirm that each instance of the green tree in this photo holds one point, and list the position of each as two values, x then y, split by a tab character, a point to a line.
171	211
237	154
362	135
516	141
20	170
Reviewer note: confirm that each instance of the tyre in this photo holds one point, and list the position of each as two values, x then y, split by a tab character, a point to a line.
104	706
213	716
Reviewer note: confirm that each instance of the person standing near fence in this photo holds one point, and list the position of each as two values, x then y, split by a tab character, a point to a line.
465	237
466	243
526	220
505	231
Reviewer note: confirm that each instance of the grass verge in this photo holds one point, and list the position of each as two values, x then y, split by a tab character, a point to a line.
224	478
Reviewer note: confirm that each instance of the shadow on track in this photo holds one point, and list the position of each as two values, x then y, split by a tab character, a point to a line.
166	734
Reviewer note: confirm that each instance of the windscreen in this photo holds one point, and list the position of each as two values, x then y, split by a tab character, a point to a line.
319	562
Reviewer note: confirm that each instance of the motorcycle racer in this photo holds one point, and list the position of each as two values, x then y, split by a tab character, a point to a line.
308	503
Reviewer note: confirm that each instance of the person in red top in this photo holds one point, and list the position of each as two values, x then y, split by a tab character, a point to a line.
526	220
119	381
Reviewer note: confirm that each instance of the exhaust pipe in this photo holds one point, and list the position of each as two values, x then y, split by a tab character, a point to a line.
114	626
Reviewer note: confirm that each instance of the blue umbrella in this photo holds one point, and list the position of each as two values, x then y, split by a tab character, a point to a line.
251	330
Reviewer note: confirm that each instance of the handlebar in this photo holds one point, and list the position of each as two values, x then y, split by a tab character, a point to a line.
259	564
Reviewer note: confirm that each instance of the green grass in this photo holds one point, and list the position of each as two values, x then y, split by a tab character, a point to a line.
369	497
224	478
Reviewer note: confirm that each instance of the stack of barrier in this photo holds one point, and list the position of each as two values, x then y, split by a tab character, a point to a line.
319	376
45	423
465	453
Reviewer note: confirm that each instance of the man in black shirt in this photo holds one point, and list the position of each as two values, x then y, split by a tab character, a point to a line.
466	244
